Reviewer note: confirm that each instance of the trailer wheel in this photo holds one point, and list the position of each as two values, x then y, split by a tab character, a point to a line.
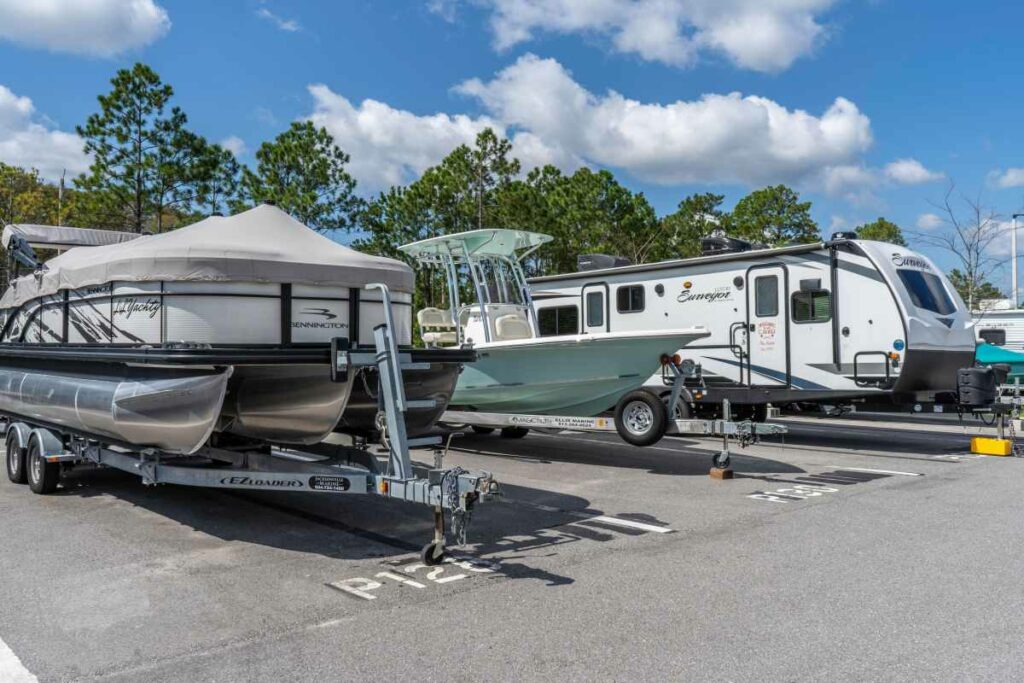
481	430
15	460
432	554
641	418
43	476
514	432
759	412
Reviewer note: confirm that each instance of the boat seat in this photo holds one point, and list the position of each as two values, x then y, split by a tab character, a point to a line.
436	327
512	326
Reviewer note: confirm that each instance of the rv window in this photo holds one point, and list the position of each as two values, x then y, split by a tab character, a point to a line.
927	291
994	337
766	296
558	320
630	299
812	306
595	309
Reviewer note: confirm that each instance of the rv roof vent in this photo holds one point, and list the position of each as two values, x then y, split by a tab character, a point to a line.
722	245
844	235
599	261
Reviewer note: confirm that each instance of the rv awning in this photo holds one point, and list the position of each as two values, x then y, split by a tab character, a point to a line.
63	237
263	244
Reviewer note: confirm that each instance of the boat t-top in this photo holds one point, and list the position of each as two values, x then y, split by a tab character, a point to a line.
521	368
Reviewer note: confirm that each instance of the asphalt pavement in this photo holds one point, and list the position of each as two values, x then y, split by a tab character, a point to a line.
849	550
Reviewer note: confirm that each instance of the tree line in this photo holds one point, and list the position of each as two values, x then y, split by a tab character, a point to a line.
150	172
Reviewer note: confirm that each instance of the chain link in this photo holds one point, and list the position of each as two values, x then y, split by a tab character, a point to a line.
450	495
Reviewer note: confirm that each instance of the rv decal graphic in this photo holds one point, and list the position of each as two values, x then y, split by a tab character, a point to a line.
912	261
126	307
709	296
325	312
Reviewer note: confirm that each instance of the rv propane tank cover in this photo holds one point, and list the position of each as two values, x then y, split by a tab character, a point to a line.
598	261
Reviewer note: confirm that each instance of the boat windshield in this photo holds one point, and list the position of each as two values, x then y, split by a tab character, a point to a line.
501	282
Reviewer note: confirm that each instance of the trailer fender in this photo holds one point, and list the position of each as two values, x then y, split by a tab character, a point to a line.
49	443
20	433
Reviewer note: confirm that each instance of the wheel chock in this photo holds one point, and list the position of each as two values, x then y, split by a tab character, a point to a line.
721	473
986	446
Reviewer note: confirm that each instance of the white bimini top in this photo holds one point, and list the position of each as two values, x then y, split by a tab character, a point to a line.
263	244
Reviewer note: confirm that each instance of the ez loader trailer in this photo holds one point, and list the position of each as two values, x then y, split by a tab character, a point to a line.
37	454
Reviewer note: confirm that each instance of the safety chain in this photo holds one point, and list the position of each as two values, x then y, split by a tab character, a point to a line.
450	497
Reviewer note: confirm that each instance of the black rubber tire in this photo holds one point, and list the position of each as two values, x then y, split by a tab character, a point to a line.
684	411
760	412
641	418
16	464
43	476
514	432
481	430
429	555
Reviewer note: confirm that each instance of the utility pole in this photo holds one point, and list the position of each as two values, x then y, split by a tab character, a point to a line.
1013	260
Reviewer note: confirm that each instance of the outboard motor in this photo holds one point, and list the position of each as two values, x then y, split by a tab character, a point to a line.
723	245
979	387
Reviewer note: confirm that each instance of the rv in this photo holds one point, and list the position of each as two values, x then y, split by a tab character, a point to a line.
827	322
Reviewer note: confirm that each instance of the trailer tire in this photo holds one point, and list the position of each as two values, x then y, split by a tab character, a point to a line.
433	554
759	412
514	432
641	418
481	430
15	459
43	476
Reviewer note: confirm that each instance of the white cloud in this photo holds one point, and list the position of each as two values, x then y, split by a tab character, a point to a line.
910	172
763	35
26	142
1011	177
234	144
716	138
443	8
102	28
289	25
929	221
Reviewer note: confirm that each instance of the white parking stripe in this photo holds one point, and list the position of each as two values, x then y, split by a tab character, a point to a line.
615	521
866	469
11	668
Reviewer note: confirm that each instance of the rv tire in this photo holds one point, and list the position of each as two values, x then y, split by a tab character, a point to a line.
641	418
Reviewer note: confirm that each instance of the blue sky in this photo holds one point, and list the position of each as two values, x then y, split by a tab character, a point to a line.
868	107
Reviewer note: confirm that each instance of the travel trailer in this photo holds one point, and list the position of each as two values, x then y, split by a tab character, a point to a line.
826	322
1000	335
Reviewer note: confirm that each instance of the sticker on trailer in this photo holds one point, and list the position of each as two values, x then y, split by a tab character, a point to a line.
322	482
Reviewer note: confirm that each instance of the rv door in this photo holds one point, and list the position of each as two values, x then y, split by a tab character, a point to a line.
767	328
595	307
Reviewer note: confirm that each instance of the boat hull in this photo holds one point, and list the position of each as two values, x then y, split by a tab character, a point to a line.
579	376
174	410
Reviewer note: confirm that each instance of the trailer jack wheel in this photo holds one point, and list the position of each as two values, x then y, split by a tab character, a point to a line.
433	553
720	460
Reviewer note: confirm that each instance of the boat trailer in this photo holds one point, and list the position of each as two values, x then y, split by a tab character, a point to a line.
38	453
641	418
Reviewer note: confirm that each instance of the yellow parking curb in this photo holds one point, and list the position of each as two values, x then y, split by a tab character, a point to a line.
986	446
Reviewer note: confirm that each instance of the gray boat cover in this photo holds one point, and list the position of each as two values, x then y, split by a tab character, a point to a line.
63	236
263	244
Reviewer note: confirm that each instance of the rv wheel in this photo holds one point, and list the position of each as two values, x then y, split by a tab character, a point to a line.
514	432
42	476
15	460
481	430
640	418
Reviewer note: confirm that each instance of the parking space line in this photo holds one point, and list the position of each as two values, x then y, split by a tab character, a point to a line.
616	521
11	668
868	469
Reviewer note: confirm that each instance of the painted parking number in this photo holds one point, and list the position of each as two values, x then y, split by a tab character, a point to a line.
795	492
363	588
